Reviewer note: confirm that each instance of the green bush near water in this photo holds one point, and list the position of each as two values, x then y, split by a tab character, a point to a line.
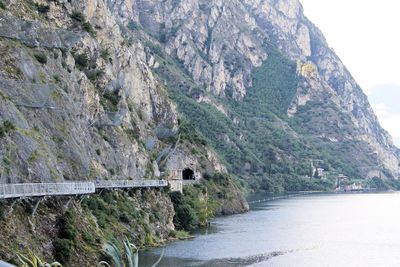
199	203
185	217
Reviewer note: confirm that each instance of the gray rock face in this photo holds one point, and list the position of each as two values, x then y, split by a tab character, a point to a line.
35	34
82	104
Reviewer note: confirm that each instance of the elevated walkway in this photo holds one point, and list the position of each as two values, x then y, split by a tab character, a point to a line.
72	188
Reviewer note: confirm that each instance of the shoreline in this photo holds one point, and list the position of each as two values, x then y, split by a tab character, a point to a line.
284	196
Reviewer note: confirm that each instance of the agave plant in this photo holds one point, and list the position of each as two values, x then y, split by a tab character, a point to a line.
130	257
35	261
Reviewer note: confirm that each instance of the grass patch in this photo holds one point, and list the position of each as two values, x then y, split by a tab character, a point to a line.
6	128
105	54
81	60
2	5
180	234
80	19
78	16
88	27
41	58
110	100
57	78
42	8
93	75
34	156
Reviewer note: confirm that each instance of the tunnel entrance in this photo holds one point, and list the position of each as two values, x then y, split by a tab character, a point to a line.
188	174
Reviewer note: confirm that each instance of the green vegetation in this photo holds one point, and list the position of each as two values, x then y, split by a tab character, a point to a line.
264	148
78	16
2	211
34	156
41	8
180	234
34	261
129	257
199	203
41	58
105	54
109	100
81	60
2	5
80	19
62	250
94	75
57	78
155	48
88	27
142	215
274	86
188	132
6	128
111	209
66	240
126	257
185	216
132	25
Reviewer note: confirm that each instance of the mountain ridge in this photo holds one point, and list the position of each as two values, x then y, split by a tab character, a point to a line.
292	33
246	95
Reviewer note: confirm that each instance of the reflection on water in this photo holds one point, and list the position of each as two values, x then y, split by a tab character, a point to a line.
318	230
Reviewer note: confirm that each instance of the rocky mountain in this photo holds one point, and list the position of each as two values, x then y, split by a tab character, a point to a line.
132	89
87	89
225	48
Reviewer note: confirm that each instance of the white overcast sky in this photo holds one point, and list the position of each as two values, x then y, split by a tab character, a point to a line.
365	35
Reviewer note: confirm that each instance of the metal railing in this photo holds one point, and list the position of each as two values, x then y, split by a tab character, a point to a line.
190	182
130	183
46	189
71	188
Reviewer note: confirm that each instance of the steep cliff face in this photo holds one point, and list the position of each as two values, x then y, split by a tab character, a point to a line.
221	43
78	94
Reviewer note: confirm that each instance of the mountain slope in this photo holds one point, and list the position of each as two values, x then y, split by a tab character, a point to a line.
132	89
229	48
88	85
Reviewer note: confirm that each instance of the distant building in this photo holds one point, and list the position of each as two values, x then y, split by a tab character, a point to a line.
352	187
339	179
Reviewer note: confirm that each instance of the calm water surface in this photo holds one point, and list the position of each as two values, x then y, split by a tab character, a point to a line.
318	230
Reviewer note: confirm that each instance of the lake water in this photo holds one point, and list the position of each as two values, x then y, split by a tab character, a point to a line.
317	230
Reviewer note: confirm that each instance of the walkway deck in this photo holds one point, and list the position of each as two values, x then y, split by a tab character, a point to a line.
130	184
71	188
